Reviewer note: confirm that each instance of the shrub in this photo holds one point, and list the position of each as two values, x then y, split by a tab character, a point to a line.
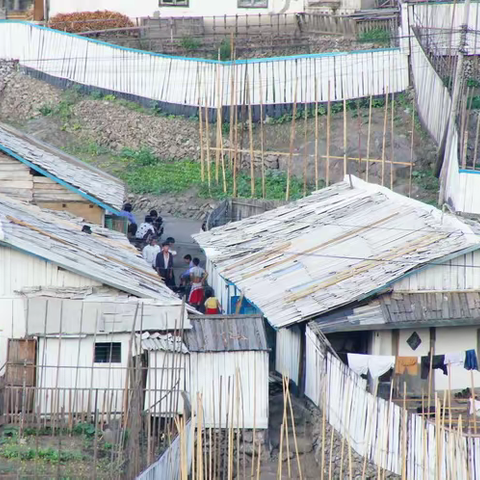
89	21
190	43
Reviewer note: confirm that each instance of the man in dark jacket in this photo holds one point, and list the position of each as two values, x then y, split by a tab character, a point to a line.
164	265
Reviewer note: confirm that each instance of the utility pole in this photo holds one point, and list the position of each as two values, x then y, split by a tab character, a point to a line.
442	167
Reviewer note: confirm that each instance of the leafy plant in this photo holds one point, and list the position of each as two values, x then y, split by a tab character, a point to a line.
375	35
225	50
190	43
139	158
46	110
426	180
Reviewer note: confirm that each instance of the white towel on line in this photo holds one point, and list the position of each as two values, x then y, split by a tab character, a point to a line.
456	359
376	364
358	363
474	407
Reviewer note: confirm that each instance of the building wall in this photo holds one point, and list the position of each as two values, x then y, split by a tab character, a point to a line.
287	353
314	367
455	275
166	372
67	353
195	7
214	375
17	181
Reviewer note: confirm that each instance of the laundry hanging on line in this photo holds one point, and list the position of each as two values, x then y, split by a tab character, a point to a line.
438	362
377	365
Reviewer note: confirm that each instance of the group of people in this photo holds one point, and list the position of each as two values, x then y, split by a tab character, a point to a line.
160	255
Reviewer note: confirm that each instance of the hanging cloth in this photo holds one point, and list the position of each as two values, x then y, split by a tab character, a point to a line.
455	359
471	362
358	363
380	364
406	365
438	361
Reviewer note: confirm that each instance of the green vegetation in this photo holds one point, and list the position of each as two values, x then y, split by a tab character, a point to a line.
146	174
190	43
23	452
375	35
426	180
225	50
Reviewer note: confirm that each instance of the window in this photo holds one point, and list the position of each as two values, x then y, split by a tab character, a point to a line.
108	353
252	3
174	3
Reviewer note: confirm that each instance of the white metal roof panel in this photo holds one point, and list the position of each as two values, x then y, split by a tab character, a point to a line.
355	239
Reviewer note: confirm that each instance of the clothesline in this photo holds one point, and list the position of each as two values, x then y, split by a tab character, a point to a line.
378	365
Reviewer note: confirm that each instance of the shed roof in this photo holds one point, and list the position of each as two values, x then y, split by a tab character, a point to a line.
86	180
226	333
332	248
105	256
404	310
165	343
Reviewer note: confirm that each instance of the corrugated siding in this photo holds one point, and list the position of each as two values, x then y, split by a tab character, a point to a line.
211	375
460	273
19	270
314	368
70	352
12	324
166	373
222	290
287	355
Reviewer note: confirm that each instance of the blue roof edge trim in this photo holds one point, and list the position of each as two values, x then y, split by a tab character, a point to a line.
204	60
59	181
462	170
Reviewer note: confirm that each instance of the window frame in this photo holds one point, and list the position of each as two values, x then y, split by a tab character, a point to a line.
174	3
239	4
111	358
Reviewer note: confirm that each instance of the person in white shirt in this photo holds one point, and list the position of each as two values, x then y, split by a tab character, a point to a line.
151	251
145	227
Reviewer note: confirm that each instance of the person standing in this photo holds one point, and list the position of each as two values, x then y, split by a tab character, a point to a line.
151	251
212	305
197	278
164	265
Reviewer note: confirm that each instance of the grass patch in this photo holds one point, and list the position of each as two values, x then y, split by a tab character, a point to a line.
375	35
426	180
190	43
146	174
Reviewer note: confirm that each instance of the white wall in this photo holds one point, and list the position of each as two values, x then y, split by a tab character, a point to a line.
287	352
381	343
314	368
454	275
212	373
148	8
223	291
166	372
70	352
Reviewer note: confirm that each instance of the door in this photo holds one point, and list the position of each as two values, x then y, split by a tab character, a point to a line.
20	372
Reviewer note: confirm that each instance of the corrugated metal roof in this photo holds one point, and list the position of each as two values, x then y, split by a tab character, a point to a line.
83	177
105	255
405	310
164	343
334	247
226	333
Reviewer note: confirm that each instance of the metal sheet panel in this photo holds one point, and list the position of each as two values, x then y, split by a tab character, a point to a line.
215	374
287	353
334	247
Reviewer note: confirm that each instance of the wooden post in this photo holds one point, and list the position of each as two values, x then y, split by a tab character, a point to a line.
329	112
200	130
477	132
292	141
305	152
250	133
368	136
233	96
262	147
384	136
473	399
404	433
345	169
411	149
316	134
359	120
207	133
392	140
219	121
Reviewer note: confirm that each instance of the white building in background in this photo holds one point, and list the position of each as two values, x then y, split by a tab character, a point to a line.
341	255
179	8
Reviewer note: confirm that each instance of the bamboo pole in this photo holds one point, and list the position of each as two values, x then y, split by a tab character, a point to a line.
305	151
404	433
345	169
369	136
218	120
369	428
384	136
250	135
292	141
392	140
359	127
329	113
207	133
324	420
299	466
477	132
316	134
330	460
200	131
473	398
254	412
233	100
411	149
262	148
